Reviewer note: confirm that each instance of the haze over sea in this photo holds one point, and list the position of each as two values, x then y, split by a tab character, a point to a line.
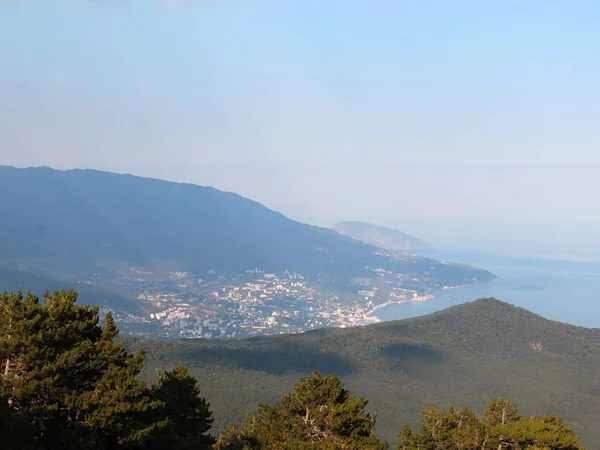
552	272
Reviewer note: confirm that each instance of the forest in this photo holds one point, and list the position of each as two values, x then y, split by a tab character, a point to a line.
68	381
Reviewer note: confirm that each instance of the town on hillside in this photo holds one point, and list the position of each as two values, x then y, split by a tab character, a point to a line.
184	305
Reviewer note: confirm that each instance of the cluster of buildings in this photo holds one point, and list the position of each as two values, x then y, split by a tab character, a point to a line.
255	304
182	305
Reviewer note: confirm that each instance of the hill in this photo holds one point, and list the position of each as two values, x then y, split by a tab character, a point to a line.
85	220
464	355
382	237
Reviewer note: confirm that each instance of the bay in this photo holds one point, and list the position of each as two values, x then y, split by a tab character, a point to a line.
562	290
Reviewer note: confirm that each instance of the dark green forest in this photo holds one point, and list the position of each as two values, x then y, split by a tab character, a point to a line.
68	381
462	356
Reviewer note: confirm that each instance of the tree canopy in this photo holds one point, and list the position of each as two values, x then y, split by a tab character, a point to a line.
501	427
72	385
68	382
318	414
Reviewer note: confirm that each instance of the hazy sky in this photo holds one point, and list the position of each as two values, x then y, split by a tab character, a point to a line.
389	111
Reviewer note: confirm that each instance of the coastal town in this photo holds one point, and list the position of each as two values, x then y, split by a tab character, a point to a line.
183	305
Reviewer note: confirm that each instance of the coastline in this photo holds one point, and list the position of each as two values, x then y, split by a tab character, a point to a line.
537	285
371	318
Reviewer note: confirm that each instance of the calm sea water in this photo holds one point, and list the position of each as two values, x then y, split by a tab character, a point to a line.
567	291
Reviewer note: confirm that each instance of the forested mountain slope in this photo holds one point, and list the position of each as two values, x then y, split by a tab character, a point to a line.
464	355
84	220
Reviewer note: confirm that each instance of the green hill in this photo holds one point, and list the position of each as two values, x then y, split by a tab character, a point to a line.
464	355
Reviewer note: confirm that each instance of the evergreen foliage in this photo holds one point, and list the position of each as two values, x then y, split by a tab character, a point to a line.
188	415
500	428
319	414
66	380
465	355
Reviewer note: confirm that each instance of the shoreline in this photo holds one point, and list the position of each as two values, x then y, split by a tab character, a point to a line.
370	318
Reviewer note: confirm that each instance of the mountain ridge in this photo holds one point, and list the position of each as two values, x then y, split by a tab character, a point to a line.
382	237
85	218
209	193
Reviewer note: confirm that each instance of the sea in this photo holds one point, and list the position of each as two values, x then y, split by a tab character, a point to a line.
558	289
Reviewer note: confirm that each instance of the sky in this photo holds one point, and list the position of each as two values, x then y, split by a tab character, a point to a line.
402	113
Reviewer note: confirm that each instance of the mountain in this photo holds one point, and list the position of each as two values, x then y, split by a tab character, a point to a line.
461	356
86	220
382	237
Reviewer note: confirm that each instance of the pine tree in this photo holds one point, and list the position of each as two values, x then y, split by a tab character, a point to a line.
469	431
319	414
448	429
409	440
547	432
500	428
19	318
236	439
64	375
500	412
188	415
119	407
